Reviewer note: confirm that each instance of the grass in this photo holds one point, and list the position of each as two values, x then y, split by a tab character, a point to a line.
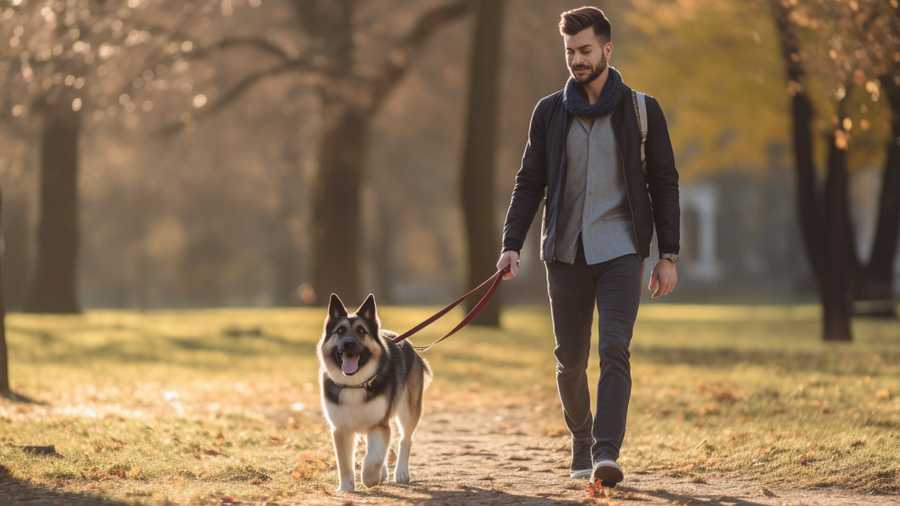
204	406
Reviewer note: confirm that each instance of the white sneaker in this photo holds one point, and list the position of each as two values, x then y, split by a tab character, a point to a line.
608	472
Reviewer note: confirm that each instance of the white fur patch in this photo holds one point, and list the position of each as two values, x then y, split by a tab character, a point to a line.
354	413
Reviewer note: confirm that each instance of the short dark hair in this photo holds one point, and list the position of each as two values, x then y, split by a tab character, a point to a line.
576	20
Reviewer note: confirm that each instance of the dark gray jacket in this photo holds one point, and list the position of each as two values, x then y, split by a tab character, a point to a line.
652	198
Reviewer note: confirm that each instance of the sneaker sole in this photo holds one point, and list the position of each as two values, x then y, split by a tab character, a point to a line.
609	476
581	474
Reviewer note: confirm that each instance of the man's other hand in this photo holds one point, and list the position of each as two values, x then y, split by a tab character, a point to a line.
663	279
510	258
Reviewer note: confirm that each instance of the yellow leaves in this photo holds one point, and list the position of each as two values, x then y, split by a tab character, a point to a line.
873	89
840	93
841	139
883	395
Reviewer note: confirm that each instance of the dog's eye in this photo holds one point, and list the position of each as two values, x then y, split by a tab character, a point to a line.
361	331
340	330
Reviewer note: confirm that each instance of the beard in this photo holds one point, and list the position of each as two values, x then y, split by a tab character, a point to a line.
593	74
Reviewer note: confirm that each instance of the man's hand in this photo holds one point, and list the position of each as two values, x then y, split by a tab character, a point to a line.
663	279
510	258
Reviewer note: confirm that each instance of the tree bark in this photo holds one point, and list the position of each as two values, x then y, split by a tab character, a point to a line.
337	235
54	285
837	295
809	205
876	283
479	155
4	359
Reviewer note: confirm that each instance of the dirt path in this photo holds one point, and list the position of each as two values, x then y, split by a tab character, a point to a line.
476	457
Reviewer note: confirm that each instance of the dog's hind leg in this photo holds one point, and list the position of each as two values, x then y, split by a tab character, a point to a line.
343	450
374	466
408	415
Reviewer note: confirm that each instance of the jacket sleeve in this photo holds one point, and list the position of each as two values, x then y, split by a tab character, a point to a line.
531	179
662	179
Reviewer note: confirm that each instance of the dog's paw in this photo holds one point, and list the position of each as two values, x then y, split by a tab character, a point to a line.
345	487
401	476
374	475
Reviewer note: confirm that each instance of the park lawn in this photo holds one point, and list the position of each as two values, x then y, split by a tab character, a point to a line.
202	406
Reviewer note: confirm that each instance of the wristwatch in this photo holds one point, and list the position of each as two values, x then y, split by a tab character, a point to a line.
672	257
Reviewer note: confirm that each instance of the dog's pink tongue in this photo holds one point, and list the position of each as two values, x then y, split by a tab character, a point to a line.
349	364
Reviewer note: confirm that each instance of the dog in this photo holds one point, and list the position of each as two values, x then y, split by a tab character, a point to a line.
366	379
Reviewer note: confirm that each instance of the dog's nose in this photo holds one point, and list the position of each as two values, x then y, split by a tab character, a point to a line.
349	346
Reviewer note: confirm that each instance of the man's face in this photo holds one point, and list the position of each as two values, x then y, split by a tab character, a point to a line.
586	55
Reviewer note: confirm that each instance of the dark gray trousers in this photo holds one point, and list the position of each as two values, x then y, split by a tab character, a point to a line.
615	287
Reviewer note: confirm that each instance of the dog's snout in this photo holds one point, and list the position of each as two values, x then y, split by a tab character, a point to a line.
351	346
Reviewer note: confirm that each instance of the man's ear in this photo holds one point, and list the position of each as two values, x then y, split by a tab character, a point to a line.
336	308
367	309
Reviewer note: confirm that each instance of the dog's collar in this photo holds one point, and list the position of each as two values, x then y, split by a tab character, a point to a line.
364	385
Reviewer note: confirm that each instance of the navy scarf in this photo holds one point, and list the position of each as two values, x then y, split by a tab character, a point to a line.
576	100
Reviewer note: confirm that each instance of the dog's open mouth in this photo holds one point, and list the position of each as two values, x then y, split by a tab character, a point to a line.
349	364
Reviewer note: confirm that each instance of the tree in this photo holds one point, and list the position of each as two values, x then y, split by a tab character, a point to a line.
351	91
860	38
478	161
830	53
57	60
5	391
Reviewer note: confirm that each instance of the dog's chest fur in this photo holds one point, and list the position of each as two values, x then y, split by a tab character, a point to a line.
355	410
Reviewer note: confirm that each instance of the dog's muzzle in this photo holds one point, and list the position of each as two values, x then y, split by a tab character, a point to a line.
347	355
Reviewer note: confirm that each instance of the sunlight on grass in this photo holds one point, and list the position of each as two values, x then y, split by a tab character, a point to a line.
200	405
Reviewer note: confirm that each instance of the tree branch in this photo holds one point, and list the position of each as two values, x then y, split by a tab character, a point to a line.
234	93
260	43
399	56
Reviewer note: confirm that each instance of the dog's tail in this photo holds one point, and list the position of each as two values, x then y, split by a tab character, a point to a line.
427	375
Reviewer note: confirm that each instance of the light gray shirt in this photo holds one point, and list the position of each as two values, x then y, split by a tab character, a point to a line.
594	202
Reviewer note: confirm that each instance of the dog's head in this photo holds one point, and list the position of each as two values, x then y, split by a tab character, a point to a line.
351	349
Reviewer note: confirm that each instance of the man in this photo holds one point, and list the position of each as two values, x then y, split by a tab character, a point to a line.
583	158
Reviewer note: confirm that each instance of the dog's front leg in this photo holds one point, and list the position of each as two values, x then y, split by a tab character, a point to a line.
374	465
343	450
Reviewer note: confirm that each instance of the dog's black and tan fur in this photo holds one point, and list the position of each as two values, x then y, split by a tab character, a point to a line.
366	380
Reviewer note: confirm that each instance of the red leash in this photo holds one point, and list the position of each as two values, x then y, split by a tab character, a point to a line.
494	282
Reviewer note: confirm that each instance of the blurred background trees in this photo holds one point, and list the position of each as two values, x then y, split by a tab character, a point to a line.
249	152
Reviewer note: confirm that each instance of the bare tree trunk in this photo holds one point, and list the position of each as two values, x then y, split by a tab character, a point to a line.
337	240
4	359
876	283
54	285
809	205
836	294
480	146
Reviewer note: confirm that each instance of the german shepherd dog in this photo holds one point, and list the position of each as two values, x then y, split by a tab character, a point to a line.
366	380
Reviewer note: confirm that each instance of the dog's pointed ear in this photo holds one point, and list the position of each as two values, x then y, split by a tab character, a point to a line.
336	307
367	309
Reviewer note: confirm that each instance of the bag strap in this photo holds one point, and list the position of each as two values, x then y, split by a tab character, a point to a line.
640	110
